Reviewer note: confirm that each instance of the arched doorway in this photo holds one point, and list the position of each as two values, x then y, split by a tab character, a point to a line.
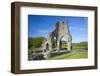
54	42
47	46
63	43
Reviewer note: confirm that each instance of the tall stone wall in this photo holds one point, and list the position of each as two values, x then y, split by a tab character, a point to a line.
61	30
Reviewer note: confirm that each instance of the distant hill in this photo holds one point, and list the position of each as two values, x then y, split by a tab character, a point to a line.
80	45
83	43
35	42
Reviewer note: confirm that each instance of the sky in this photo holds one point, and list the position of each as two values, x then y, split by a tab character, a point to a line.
41	25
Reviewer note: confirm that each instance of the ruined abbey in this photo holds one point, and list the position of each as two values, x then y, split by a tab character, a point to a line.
61	30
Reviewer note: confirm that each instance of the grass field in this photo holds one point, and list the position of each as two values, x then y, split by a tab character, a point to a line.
77	46
70	56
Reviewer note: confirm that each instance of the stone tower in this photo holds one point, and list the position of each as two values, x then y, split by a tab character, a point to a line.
61	30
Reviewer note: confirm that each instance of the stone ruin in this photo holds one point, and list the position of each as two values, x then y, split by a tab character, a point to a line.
61	30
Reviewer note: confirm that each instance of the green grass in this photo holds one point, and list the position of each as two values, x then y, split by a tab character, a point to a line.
76	46
70	56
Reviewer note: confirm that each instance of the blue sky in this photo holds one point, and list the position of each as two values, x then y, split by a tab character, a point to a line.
40	25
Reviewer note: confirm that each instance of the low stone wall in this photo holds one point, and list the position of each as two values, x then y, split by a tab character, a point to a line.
47	54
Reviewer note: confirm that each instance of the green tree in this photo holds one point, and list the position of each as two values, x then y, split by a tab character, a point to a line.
35	42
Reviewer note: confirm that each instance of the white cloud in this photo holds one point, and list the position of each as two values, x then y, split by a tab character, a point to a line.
42	31
80	29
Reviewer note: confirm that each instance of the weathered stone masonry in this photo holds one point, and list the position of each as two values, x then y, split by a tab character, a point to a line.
61	30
